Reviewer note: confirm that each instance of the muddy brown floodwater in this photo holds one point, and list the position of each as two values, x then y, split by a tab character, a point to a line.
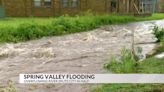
76	53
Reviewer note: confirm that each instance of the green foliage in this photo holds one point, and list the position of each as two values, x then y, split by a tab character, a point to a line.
24	29
123	64
10	87
28	31
159	33
151	65
155	16
127	65
130	88
161	47
163	6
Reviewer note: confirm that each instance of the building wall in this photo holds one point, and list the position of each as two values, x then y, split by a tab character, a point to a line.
26	7
161	6
68	10
41	11
127	6
97	6
14	7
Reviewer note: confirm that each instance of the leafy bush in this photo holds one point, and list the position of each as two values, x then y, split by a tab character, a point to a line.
123	64
151	65
159	33
10	87
24	29
31	29
126	65
129	88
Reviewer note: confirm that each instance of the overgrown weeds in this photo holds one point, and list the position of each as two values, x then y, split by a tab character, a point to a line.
159	33
128	64
125	63
10	87
58	26
24	29
129	88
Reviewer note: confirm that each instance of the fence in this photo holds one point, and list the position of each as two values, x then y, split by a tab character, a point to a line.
148	6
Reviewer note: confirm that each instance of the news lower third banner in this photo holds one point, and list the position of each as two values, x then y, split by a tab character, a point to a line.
91	78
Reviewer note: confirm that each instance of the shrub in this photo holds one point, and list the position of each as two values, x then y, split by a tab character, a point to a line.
151	65
24	29
123	64
28	32
159	33
10	87
6	35
129	88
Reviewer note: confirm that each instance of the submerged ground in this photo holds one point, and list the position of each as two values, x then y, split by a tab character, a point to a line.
76	53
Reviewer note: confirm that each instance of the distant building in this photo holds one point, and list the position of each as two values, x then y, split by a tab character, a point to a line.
72	7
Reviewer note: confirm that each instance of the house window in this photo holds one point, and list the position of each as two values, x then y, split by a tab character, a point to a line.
74	3
47	3
70	3
65	3
37	3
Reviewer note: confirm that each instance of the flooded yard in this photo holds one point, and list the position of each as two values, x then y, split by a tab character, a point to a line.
76	53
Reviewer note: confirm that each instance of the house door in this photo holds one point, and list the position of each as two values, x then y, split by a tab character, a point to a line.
42	8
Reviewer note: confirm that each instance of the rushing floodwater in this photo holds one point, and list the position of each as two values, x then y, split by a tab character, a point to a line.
76	53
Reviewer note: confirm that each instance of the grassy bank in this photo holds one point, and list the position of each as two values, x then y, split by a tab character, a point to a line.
130	88
159	33
150	66
24	29
128	64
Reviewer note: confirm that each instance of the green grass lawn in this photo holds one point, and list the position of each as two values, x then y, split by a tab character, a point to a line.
128	64
129	88
15	22
24	29
156	16
149	66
